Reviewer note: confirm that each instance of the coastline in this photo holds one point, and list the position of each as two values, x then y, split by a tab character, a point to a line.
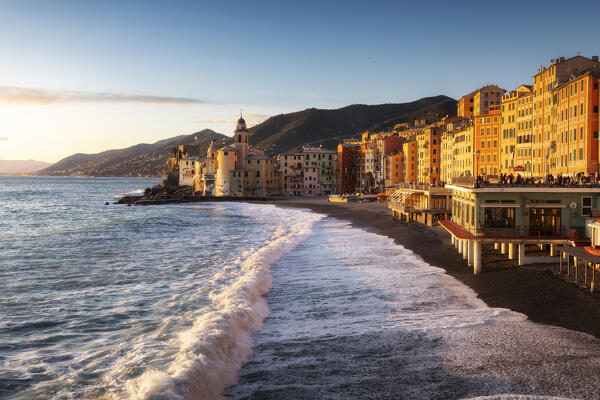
531	290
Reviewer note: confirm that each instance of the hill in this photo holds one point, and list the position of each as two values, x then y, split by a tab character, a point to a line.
313	126
18	167
277	134
141	160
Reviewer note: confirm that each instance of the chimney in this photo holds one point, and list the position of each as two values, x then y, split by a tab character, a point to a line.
595	58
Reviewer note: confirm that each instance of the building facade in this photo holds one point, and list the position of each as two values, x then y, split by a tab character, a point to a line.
487	138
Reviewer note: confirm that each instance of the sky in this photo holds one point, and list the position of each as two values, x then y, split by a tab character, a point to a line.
83	76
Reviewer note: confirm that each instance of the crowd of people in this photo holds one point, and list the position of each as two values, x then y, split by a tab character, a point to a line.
559	180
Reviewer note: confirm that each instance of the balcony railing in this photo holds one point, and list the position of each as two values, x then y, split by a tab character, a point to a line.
524	233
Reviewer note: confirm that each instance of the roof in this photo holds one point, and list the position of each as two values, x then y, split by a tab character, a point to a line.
257	157
227	148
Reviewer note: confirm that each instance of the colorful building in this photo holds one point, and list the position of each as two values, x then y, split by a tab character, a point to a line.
487	138
308	172
511	217
428	150
486	97
523	147
463	149
394	169
237	170
409	149
508	138
465	106
575	148
447	157
348	156
551	85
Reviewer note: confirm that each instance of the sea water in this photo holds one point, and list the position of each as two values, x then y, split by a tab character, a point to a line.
237	300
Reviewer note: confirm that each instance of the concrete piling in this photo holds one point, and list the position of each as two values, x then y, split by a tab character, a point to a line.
476	257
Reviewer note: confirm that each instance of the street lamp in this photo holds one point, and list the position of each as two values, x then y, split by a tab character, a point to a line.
477	167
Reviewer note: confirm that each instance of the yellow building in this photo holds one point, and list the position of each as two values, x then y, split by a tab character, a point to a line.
547	113
226	162
523	147
463	151
447	157
508	129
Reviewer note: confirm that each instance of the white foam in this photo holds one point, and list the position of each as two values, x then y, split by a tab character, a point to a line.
212	352
135	192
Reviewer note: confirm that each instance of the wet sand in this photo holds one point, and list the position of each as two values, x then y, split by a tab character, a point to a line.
535	291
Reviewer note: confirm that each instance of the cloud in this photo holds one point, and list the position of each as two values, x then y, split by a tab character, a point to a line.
14	94
3	138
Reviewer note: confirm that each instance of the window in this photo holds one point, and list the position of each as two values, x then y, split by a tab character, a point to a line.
586	206
496	217
581	153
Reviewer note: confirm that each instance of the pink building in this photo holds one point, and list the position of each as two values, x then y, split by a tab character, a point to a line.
311	185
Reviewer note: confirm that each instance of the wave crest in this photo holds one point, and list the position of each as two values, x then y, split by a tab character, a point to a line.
212	352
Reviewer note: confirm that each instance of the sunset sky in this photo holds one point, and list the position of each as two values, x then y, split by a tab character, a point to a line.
80	76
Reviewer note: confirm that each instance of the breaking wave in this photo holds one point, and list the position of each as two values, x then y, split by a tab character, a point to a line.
213	350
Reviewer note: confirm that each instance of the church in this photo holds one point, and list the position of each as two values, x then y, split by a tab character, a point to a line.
237	169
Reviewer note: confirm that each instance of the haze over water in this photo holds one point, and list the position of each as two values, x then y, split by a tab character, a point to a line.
167	302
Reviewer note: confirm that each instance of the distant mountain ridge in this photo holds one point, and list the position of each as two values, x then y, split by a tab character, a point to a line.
277	134
313	126
141	160
17	167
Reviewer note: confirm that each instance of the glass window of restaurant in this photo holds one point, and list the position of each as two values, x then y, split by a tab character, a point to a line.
499	217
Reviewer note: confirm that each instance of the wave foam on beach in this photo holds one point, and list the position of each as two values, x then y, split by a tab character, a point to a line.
213	350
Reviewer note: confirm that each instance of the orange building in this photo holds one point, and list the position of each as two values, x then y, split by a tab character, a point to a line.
394	168
487	138
464	107
576	146
428	149
547	114
409	149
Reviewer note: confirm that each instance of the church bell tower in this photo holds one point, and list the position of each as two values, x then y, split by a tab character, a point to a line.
240	141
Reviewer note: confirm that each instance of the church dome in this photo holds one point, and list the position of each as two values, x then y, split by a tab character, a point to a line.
241	124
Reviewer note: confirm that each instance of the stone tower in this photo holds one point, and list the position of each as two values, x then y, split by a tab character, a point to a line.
240	142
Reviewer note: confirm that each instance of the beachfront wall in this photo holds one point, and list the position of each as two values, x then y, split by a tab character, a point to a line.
525	212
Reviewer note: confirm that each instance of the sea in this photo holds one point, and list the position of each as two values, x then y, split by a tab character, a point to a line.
235	300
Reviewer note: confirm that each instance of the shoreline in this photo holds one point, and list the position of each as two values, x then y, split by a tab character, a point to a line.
531	290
